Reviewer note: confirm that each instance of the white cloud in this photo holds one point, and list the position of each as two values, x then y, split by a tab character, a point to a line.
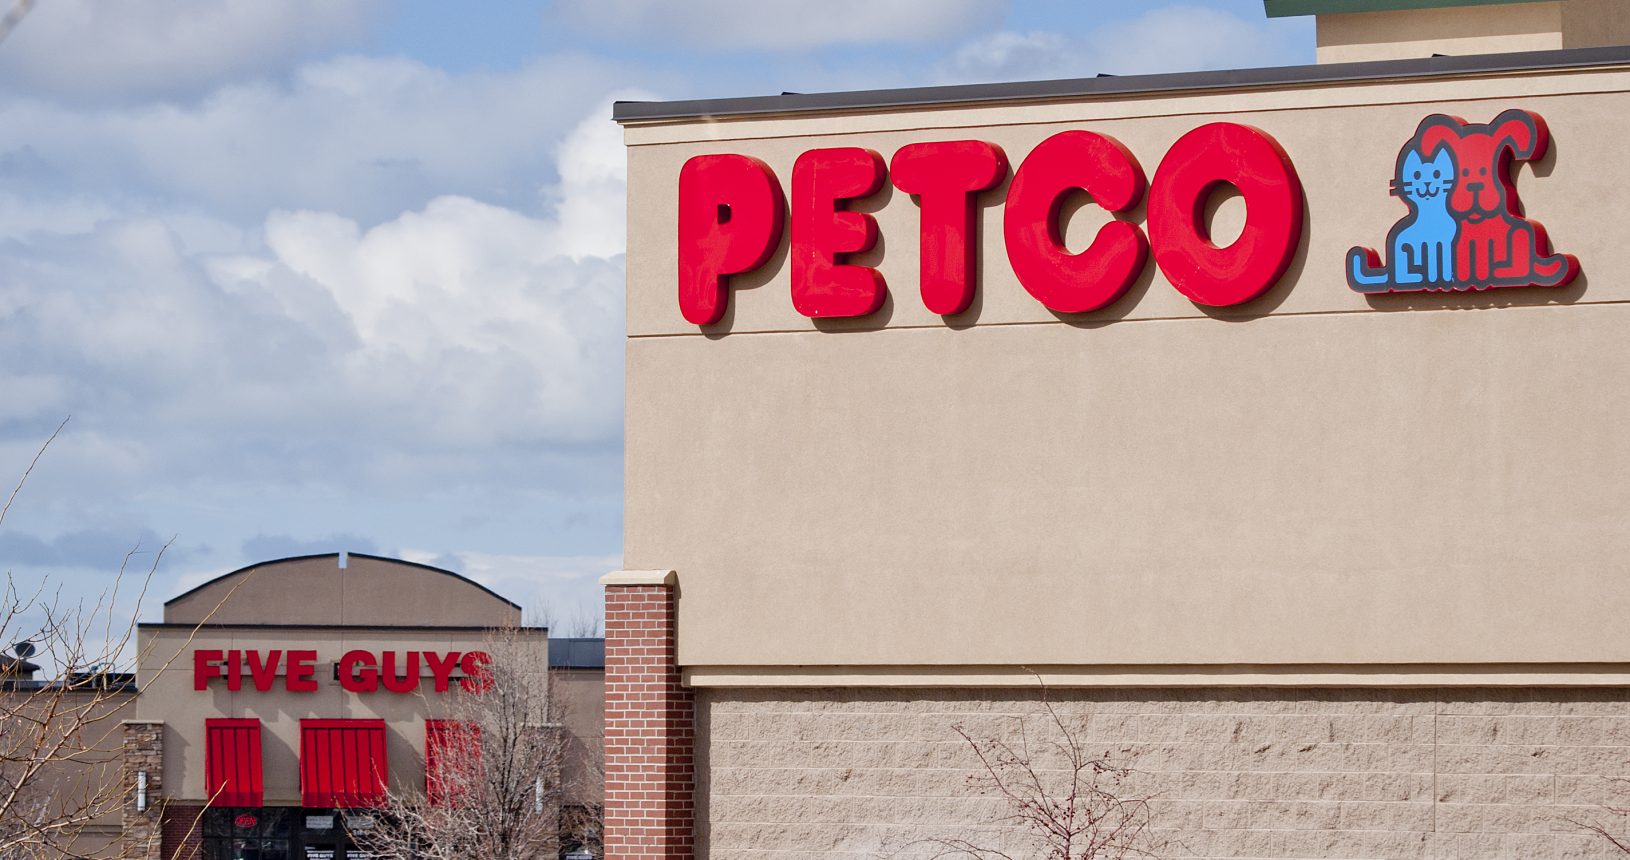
1008	56
755	25
1168	39
367	137
94	50
591	203
456	340
554	589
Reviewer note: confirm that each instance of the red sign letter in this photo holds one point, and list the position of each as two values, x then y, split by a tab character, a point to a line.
822	286
945	176
441	668
302	666
1196	164
730	220
234	671
409	680
477	672
264	670
204	668
358	680
1064	282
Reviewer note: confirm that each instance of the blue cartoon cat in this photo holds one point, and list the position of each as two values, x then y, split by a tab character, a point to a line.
1423	243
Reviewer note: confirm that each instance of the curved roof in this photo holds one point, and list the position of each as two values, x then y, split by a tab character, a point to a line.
370	590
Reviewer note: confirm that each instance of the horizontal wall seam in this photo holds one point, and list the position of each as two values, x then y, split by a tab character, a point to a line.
1368	675
1096	323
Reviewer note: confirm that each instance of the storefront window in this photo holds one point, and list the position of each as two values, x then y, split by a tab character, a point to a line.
247	834
282	833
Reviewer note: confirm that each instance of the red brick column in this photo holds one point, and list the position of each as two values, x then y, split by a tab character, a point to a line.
182	827
650	742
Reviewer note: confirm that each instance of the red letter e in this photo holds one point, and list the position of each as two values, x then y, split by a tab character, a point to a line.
822	284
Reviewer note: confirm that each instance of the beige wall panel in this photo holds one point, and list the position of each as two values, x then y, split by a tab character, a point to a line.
1344	154
1592	23
1398	487
83	773
581	695
1405	33
166	680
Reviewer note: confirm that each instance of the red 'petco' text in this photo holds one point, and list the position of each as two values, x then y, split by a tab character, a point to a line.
733	213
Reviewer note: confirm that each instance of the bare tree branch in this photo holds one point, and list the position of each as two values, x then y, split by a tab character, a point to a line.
1063	802
500	773
62	787
1617	835
14	16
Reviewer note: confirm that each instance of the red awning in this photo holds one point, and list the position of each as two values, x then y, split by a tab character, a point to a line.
232	762
342	763
452	761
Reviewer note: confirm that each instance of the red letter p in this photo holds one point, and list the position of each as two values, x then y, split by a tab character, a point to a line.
731	212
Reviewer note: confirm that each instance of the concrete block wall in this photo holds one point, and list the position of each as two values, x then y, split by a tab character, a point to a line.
1449	774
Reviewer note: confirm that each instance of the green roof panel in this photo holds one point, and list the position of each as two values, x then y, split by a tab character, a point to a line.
1288	8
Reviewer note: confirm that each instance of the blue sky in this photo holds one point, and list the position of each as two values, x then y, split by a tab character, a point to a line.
318	275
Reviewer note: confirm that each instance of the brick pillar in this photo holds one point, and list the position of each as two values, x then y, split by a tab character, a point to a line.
650	806
140	835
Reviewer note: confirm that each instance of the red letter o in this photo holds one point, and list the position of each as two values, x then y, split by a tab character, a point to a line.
1065	282
1200	160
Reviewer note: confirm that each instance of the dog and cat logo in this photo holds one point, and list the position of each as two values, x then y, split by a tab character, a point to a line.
1465	229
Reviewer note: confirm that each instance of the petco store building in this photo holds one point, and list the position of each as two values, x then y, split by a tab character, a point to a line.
1269	426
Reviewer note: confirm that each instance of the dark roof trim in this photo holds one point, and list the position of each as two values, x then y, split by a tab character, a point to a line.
9	663
336	556
406	628
969	94
1287	8
577	652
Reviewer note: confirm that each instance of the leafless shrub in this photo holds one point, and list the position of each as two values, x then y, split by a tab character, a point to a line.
1066	802
60	739
1616	829
496	783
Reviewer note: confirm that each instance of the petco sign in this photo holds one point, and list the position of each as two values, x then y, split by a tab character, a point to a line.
1466	230
357	671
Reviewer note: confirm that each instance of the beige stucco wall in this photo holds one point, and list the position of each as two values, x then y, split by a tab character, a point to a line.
1475	774
1457	31
82	777
165	677
581	695
1464	30
1318	478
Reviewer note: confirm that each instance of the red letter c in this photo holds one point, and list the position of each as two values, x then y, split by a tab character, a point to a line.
1064	282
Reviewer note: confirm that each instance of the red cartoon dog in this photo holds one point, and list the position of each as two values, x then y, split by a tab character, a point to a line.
1495	245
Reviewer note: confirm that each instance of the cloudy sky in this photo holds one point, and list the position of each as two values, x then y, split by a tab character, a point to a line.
318	275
